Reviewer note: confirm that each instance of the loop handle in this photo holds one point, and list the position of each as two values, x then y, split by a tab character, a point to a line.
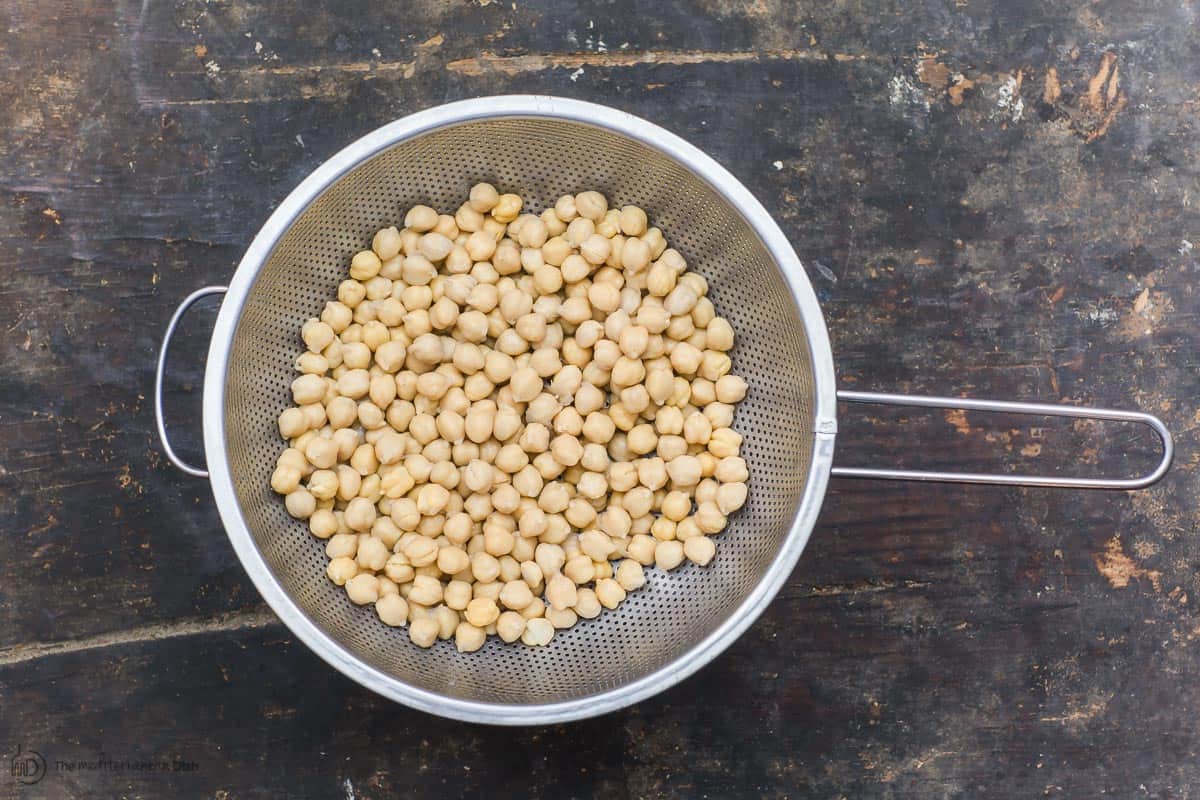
1041	409
158	378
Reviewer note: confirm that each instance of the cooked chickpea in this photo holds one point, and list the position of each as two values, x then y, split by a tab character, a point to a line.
392	610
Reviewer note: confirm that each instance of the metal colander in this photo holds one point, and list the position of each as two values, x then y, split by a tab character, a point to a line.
540	148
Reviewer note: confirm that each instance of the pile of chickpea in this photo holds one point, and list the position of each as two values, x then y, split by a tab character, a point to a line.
504	417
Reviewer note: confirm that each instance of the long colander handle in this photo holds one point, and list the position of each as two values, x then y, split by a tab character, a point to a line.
1040	409
187	303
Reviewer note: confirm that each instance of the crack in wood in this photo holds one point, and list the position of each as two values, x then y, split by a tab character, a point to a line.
226	623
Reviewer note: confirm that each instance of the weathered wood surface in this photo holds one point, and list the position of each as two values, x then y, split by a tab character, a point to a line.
992	198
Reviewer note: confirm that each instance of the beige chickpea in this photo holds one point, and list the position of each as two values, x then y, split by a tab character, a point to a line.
635	255
587	605
561	618
457	594
420	218
468	638
598	427
423	632
426	591
525	384
719	335
399	569
709	518
609	593
365	265
507	208
591	205
595	249
561	591
550	558
730	497
482	612
610	225
632	221
509	626
642	439
731	469
676	505
308	389
697	429
293	422
372	554
483	197
557	250
392	610
580	569
337	316
317	335
652	473
538	632
668	555
685	358
341	570
516	595
629	575
596	544
700	550
453	560
724	442
323	484
323	523
285	479
360	514
447	620
342	545
467	219
641	549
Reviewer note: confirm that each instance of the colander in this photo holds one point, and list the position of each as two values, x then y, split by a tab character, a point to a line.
542	147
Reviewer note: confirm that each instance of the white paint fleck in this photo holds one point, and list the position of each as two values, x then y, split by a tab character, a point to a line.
212	68
575	75
299	140
778	165
375	52
591	24
349	787
1185	247
572	38
1008	99
904	94
1101	316
258	47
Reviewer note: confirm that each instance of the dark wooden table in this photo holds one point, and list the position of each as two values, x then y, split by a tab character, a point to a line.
995	199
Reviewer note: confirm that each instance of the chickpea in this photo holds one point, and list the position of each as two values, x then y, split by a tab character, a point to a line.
723	442
483	197
507	208
668	555
482	612
610	593
392	610
423	631
341	570
538	632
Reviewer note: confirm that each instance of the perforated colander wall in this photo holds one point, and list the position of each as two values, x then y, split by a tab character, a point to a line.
540	159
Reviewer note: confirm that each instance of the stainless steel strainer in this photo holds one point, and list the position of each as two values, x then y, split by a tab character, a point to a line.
542	147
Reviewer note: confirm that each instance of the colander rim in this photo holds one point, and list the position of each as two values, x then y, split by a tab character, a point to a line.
424	122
